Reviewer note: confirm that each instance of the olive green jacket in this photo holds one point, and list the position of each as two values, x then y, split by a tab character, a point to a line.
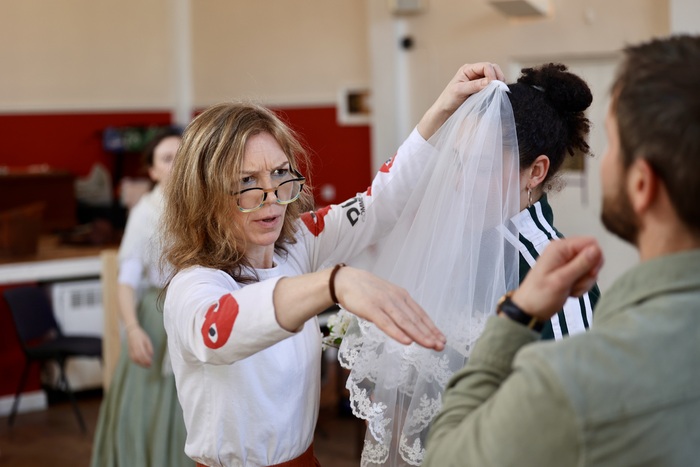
625	393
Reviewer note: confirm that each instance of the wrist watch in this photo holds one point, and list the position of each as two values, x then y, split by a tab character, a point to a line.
514	312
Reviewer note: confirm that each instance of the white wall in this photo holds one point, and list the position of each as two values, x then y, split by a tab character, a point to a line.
84	54
87	54
92	54
586	34
450	33
685	16
280	52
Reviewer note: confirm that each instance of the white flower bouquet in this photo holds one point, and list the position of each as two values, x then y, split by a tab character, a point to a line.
338	324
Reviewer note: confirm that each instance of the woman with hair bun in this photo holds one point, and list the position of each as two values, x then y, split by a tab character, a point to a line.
548	106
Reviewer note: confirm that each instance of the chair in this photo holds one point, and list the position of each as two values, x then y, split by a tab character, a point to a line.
42	340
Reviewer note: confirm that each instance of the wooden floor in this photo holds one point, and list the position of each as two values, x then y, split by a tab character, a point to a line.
53	438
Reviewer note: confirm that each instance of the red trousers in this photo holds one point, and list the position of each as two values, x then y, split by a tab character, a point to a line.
305	460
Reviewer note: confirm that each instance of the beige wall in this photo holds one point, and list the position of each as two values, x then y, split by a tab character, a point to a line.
281	52
450	33
83	54
87	54
99	54
586	34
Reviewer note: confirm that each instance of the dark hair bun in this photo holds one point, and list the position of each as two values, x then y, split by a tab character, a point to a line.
548	106
565	91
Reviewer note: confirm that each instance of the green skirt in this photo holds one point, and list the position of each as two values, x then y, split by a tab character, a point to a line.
140	422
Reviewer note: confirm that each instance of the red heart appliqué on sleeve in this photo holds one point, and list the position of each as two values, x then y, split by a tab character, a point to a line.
314	220
218	322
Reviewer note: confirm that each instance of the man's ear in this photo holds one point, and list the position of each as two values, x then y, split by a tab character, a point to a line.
642	185
538	171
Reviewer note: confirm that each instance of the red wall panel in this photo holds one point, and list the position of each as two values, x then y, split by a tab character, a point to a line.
340	154
68	141
73	142
11	354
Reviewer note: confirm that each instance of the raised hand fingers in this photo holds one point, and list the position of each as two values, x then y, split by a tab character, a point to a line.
584	283
469	79
566	268
499	73
584	260
559	253
472	78
487	70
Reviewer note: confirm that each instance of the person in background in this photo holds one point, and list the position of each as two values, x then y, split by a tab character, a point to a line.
140	421
253	268
624	393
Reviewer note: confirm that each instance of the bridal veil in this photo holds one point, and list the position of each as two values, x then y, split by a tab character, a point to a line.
452	250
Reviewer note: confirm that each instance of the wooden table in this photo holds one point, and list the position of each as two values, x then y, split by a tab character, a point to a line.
53	261
53	188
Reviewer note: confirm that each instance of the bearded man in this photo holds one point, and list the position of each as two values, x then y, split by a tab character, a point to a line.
628	391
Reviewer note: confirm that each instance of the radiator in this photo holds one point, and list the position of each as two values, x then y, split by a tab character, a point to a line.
78	309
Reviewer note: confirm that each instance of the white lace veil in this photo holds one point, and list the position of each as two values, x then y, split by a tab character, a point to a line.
449	249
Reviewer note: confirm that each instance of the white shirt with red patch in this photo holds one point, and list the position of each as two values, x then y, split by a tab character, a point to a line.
249	389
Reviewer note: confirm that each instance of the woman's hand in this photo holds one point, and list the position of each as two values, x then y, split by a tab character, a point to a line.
140	347
566	268
299	298
388	306
470	79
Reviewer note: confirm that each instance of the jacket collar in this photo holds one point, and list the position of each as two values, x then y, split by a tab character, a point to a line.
522	218
667	274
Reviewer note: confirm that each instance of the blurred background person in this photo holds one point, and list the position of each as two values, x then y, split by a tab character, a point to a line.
140	421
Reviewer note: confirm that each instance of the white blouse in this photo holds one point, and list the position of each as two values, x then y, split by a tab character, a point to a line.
139	251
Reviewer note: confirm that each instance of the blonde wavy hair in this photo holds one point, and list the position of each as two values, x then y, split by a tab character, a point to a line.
199	229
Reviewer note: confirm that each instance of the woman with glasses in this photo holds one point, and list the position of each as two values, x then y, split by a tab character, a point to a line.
254	266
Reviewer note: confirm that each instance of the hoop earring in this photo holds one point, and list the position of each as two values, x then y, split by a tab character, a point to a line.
529	197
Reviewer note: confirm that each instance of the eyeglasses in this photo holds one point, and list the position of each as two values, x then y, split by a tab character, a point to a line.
252	199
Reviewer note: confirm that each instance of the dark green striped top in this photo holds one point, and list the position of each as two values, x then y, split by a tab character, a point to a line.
536	228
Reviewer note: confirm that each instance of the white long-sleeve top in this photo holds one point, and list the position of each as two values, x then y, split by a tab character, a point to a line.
249	389
139	251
